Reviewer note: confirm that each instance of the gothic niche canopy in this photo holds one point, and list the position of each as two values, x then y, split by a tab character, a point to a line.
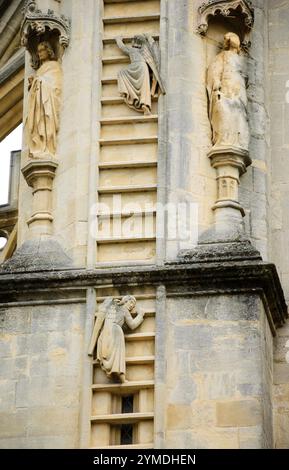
240	12
38	27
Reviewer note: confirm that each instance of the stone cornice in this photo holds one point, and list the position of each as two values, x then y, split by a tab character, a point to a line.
183	279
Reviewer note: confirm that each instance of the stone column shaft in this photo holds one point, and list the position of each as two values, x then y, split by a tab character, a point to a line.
230	163
39	176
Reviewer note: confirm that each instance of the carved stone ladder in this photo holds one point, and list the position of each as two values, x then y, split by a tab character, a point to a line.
127	169
128	143
110	416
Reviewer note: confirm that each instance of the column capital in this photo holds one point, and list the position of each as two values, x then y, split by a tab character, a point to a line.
230	156
40	169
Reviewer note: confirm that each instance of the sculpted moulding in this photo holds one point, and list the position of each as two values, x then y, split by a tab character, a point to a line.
45	36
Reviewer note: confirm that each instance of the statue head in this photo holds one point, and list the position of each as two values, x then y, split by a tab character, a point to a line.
129	301
138	41
45	52
232	42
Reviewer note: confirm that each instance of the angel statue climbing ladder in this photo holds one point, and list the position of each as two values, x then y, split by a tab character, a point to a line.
134	82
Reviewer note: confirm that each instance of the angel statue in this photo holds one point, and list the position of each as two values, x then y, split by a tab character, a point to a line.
42	121
227	91
108	335
138	82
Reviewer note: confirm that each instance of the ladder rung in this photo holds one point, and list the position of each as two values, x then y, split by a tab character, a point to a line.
131	19
129	141
140	360
110	241
117	59
105	100
109	81
140	336
129	119
123	418
127	189
136	360
131	164
111	39
130	446
122	215
123	387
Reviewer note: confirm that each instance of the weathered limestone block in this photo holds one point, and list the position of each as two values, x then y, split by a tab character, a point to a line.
222	382
42	346
213	353
238	413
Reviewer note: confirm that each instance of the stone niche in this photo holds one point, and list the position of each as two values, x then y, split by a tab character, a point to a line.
225	27
41	26
216	18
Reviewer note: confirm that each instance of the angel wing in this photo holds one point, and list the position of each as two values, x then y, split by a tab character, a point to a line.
151	54
101	314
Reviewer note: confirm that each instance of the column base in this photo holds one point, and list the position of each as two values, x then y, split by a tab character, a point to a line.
221	251
40	254
229	204
219	244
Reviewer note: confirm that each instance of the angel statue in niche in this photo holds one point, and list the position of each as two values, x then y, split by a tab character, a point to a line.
227	84
45	89
108	336
138	82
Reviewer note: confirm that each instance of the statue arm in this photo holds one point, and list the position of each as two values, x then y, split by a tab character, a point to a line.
133	323
150	40
122	46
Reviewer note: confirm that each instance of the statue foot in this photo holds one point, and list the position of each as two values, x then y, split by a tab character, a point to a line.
123	379
146	110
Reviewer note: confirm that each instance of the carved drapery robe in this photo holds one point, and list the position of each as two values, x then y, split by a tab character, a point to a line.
134	81
42	121
140	80
111	344
226	86
109	336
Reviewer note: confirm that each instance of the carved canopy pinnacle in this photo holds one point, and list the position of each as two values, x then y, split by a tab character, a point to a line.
225	8
38	25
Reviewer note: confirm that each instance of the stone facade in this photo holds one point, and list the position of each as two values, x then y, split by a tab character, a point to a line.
206	368
41	376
